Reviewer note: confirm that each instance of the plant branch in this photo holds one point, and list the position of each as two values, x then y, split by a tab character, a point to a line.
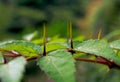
89	60
110	64
99	60
11	55
33	58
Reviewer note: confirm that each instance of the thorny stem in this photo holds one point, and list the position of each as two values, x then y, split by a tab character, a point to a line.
11	55
33	58
99	60
108	63
88	60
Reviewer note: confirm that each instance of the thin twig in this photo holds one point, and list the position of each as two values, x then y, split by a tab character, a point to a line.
107	63
33	58
11	55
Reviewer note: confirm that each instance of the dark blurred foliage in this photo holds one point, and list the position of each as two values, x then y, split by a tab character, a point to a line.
87	16
20	17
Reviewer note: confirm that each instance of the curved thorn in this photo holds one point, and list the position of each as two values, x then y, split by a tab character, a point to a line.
99	34
70	30
71	42
44	40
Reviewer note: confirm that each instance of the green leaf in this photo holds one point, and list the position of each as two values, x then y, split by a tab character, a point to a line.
54	46
22	47
79	38
115	44
56	38
1	58
38	41
59	65
13	71
76	43
77	55
99	48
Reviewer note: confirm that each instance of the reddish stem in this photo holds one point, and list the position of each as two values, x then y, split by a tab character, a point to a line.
88	60
33	58
100	60
105	62
11	55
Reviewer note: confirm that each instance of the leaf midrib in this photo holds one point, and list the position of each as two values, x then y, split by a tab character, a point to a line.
49	59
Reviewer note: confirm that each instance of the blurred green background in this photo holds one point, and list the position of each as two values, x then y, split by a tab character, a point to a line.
21	17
